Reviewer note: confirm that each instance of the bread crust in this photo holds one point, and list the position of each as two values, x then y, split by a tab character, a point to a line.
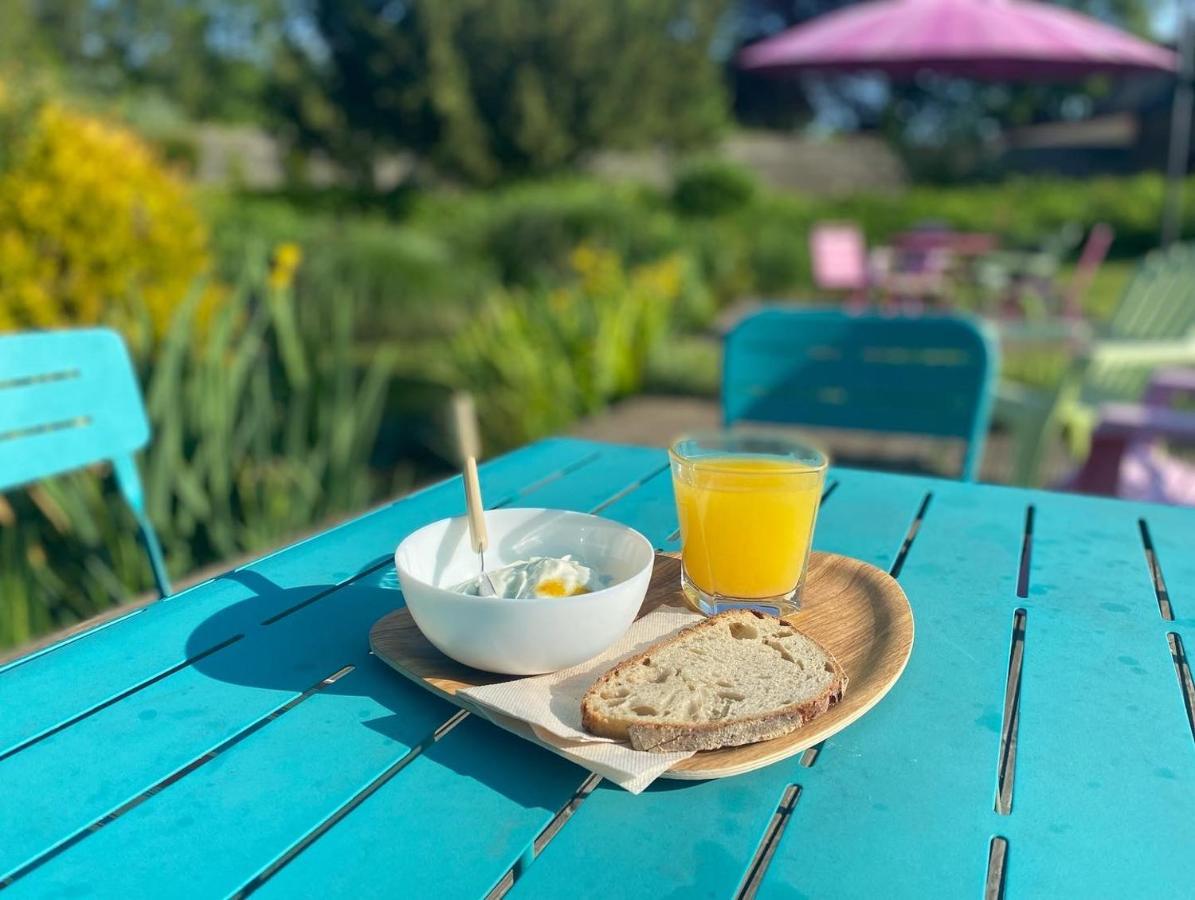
660	737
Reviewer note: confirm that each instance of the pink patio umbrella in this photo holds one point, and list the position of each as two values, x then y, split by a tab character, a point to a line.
997	40
988	39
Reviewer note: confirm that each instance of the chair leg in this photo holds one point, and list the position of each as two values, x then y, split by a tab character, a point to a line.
1029	439
149	540
129	482
1100	474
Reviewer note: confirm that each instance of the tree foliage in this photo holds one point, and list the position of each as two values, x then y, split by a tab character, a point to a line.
485	89
209	58
490	88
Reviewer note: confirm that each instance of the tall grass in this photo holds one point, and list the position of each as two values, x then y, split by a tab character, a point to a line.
263	425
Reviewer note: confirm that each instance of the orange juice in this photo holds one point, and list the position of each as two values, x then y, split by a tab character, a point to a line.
746	524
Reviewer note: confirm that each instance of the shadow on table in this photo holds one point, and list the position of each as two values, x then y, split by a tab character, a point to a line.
289	640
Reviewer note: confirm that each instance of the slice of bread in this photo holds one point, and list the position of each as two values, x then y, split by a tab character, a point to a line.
736	678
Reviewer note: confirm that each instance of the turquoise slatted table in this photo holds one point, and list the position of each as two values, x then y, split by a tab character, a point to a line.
238	738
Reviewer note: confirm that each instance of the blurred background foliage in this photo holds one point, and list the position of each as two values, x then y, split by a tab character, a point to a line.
485	89
264	425
92	227
296	344
540	358
489	89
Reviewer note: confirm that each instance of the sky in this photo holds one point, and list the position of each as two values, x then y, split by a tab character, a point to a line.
1165	19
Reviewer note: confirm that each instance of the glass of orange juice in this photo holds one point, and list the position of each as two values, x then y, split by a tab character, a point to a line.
747	501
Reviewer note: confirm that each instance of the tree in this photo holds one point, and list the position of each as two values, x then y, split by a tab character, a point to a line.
491	88
209	58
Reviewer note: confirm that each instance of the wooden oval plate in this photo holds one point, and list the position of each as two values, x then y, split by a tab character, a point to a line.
858	612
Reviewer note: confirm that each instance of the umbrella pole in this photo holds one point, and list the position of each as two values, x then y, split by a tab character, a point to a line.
1180	129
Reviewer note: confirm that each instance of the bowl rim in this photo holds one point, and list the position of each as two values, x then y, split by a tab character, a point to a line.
591	595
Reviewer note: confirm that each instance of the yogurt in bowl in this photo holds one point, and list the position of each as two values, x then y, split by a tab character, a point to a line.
540	576
538	631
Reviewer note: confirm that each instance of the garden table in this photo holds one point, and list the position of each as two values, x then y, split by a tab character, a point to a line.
238	737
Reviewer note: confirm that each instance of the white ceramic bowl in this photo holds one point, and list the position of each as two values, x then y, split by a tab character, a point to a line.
523	637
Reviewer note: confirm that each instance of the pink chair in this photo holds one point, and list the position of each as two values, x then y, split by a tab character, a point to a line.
1091	257
838	252
1128	458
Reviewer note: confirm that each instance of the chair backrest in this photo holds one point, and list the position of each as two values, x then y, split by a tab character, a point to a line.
1157	304
1159	301
69	399
838	253
930	375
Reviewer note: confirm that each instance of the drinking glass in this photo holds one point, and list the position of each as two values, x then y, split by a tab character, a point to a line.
747	501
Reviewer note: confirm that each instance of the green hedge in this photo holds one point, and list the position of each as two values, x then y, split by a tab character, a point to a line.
422	266
712	188
406	281
1023	210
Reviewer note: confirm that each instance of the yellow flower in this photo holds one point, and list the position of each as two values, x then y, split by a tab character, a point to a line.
664	278
286	261
600	269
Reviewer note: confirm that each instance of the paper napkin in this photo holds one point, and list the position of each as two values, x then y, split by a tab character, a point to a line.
549	707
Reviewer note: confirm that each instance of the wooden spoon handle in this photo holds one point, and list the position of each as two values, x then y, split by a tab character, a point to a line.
477	532
464	416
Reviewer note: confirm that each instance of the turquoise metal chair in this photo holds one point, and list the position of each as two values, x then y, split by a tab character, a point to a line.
69	399
930	375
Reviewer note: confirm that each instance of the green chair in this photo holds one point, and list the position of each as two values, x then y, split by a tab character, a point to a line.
1153	326
927	375
69	399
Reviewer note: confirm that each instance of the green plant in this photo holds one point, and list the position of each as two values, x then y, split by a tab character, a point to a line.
179	149
263	425
539	358
713	187
67	551
407	281
529	233
685	364
276	426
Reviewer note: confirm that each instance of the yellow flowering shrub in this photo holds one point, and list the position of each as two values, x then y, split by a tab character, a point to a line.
93	228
